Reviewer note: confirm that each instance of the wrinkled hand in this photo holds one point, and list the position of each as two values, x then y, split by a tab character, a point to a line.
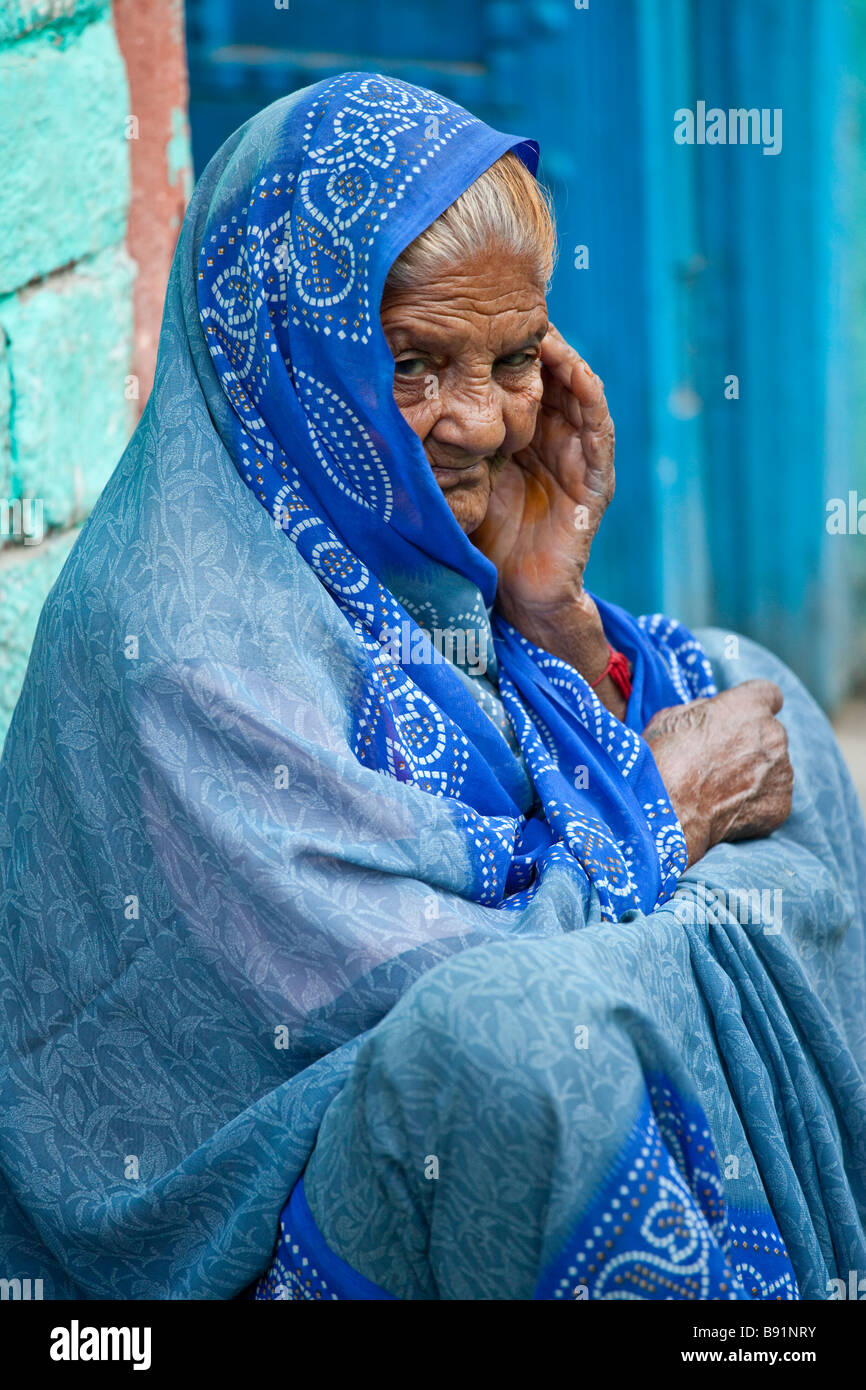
548	500
725	764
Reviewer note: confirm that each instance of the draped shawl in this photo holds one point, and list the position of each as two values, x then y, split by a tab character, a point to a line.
234	825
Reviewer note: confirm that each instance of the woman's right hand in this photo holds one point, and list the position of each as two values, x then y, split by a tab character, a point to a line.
548	498
725	764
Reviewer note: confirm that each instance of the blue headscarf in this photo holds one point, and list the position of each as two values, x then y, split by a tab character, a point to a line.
291	273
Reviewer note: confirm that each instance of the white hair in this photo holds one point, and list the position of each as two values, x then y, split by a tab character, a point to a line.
504	209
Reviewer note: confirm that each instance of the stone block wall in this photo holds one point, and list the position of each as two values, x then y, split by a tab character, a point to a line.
94	177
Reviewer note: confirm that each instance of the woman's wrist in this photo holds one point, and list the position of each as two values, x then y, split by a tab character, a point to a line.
572	630
568	627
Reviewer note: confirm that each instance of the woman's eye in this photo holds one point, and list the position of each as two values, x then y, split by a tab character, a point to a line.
516	359
410	366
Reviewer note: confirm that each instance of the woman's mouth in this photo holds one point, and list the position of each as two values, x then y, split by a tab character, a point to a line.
466	474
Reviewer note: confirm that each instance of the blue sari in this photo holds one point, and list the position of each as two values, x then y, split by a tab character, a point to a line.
238	834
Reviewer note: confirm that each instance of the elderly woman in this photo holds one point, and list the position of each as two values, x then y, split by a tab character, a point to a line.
355	942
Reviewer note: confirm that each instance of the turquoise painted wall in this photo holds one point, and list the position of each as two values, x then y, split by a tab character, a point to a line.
65	297
855	291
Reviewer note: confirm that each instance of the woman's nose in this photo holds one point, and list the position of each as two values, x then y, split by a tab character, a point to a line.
471	419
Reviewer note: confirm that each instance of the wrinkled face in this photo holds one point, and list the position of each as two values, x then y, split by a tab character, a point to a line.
467	374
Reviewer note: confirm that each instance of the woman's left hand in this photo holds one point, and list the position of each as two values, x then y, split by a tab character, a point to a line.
549	498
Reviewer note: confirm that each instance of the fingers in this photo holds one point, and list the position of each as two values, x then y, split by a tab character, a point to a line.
561	399
775	698
568	368
769	797
767	807
760	692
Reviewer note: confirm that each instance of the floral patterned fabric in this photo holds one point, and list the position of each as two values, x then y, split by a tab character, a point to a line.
659	1228
669	1107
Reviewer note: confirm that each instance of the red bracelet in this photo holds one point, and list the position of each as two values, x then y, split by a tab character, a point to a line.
618	669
